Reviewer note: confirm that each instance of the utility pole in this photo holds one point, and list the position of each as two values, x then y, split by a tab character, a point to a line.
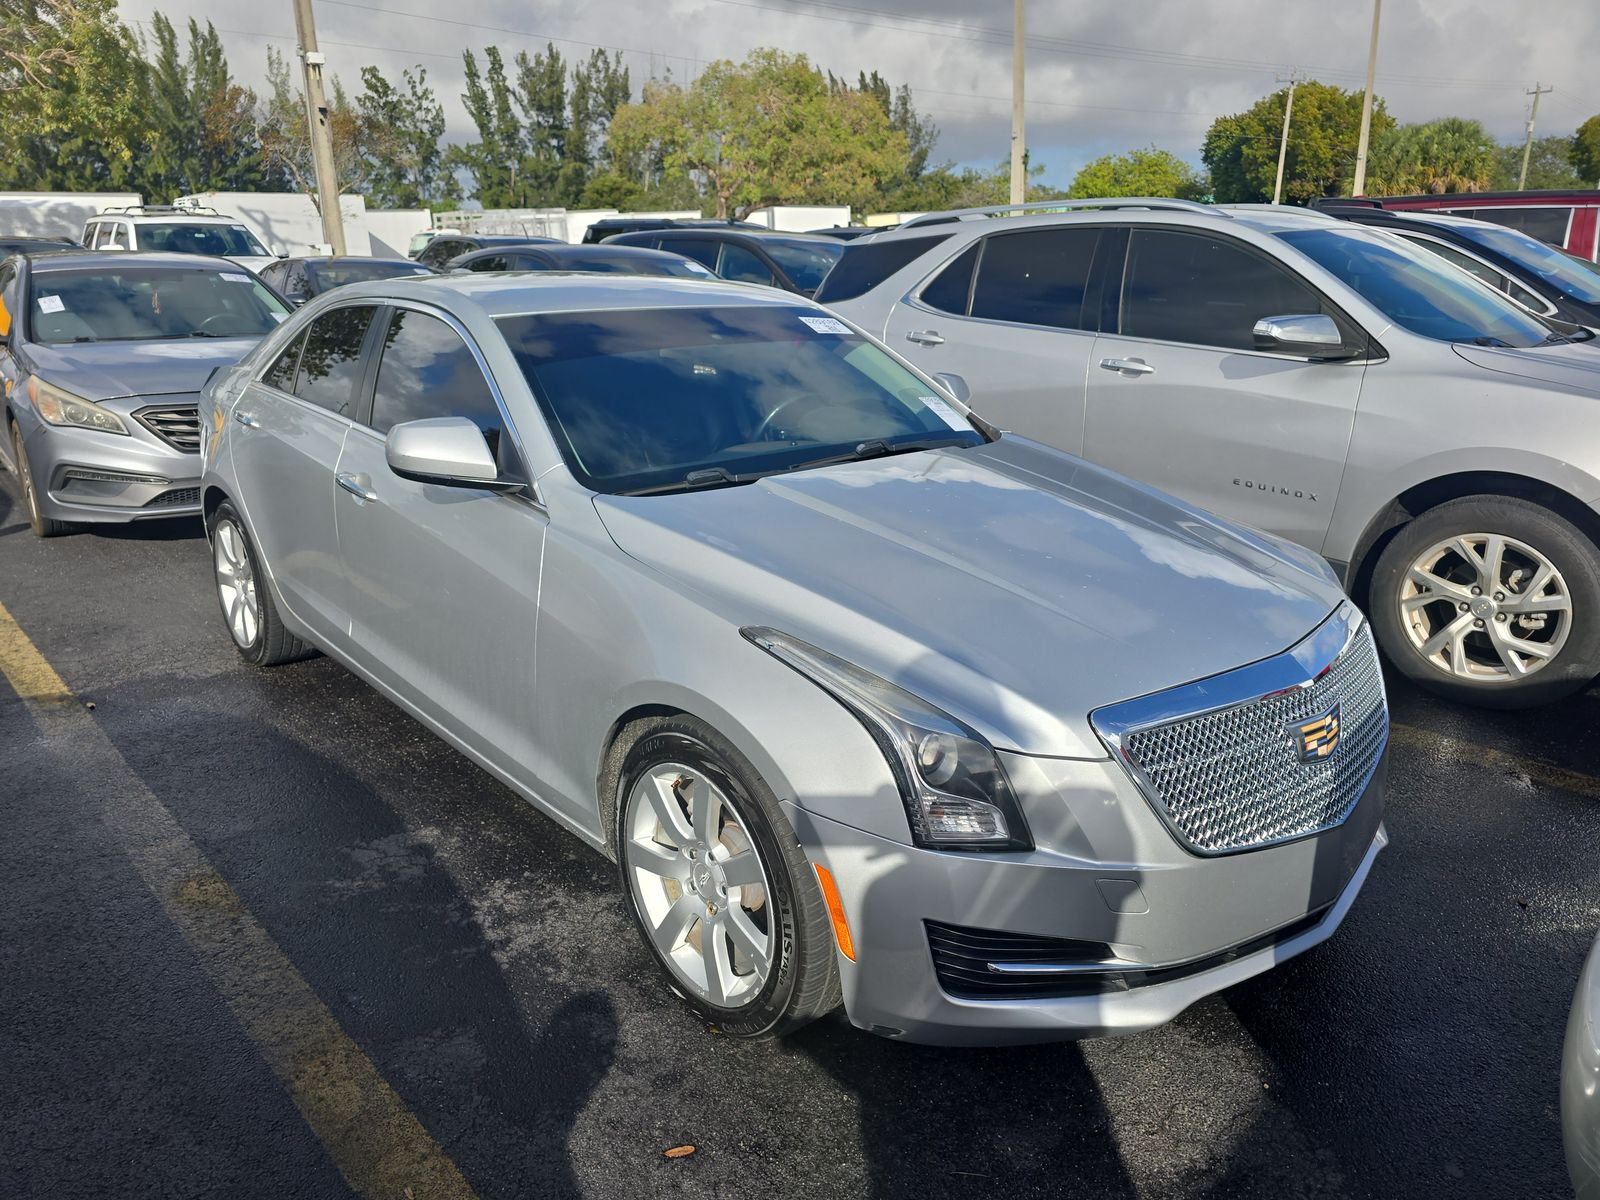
1283	142
321	137
1019	167
1533	115
1359	187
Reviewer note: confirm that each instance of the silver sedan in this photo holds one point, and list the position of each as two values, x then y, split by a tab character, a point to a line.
870	703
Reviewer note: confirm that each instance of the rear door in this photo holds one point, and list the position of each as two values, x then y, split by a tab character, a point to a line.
1179	396
1013	315
290	425
445	580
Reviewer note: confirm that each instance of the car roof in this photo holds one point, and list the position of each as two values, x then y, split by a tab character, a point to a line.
360	258
53	259
515	293
177	214
699	233
508	239
1268	218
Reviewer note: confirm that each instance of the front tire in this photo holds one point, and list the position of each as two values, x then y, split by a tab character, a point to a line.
42	526
1490	600
248	609
718	885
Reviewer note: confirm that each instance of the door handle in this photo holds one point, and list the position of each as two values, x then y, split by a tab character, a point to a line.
1128	366
246	419
925	337
356	485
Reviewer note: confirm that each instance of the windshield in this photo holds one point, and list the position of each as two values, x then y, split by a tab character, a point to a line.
200	238
804	262
1554	267
348	270
1417	291
640	398
139	303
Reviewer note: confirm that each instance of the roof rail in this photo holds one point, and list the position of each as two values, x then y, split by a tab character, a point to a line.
133	210
994	210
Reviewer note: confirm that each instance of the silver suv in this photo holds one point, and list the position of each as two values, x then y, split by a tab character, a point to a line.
1326	382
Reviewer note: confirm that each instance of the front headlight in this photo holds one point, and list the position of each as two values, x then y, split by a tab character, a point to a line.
63	408
955	792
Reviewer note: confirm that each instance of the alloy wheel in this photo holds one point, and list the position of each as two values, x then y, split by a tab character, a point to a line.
236	584
699	884
1485	607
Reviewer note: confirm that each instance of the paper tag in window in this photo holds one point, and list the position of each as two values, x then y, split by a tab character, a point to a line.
51	304
236	277
827	325
945	413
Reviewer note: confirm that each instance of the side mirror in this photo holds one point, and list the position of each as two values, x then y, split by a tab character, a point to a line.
955	385
1314	335
278	249
450	451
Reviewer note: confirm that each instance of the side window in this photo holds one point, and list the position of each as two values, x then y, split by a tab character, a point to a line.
90	232
526	262
952	287
119	233
702	250
104	234
1037	277
272	276
296	283
1466	262
741	266
281	373
428	371
330	365
1190	287
495	262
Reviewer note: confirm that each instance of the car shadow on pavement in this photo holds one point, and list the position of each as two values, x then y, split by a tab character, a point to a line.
377	925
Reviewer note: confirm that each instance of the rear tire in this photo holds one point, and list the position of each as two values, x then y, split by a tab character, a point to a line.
42	526
248	609
1490	600
689	805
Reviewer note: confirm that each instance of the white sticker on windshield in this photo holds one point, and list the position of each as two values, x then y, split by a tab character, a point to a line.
827	325
51	304
236	277
944	412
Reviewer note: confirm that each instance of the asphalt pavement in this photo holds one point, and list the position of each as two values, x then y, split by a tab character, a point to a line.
485	1015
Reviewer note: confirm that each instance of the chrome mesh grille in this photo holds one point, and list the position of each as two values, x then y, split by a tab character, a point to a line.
1234	779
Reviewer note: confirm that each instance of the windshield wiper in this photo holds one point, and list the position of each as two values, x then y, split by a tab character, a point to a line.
703	478
722	477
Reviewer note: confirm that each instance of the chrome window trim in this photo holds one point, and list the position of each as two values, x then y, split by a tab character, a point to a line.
1418	236
1297	668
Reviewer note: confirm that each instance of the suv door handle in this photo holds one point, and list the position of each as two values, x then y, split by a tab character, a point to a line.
246	419
1128	366
925	337
356	485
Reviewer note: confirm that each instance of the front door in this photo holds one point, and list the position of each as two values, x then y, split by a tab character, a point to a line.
1180	398
1012	316
445	580
291	423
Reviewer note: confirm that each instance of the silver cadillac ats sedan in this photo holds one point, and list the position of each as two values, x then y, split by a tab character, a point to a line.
869	703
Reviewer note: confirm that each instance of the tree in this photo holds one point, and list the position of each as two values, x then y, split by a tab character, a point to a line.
1150	172
599	87
495	158
1549	165
203	135
541	94
1448	155
1241	150
1585	153
946	187
404	127
767	131
358	144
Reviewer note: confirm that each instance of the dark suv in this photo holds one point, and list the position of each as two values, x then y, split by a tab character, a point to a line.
609	227
451	245
795	262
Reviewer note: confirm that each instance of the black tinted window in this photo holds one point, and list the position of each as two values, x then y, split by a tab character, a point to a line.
330	365
865	264
1187	287
1035	278
281	373
702	250
741	266
491	262
951	290
428	371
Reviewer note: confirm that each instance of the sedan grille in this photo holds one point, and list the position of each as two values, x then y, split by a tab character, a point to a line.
178	425
1284	764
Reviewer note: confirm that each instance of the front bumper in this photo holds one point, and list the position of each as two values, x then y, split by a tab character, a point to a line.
1174	927
88	477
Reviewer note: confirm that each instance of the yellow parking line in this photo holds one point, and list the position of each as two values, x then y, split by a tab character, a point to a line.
378	1145
1534	769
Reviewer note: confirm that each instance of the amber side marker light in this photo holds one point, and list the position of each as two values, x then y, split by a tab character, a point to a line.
841	926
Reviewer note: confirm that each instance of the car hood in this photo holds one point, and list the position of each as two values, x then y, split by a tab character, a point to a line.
1015	586
1575	365
108	370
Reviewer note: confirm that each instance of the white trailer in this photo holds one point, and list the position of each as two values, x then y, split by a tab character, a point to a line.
798	218
390	230
56	214
288	222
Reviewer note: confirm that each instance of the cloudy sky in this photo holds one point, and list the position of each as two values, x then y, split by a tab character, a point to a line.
1103	75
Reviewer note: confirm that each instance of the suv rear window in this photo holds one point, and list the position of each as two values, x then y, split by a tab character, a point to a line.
866	263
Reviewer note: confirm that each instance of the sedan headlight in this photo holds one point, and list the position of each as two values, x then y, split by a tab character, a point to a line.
63	408
955	792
